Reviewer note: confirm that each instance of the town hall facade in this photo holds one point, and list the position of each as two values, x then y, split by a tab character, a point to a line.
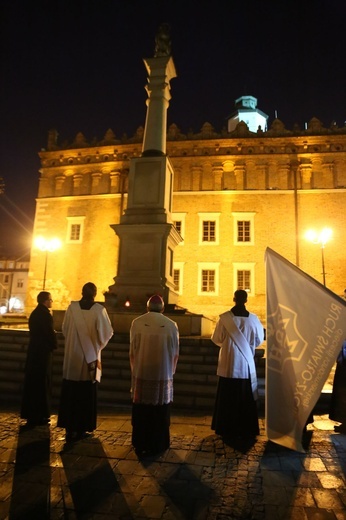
235	193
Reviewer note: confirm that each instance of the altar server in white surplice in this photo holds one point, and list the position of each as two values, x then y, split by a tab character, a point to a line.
154	351
87	330
238	332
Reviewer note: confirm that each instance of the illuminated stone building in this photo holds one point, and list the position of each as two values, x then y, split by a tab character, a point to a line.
13	284
235	193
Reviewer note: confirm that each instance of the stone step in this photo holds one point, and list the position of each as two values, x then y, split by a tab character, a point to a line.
195	381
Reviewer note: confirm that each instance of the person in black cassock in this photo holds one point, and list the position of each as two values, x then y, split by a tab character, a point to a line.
337	411
238	332
36	401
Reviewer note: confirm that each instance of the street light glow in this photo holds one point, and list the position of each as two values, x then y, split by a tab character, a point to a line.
47	246
50	245
322	238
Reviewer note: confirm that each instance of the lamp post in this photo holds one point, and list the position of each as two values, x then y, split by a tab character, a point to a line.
322	238
47	246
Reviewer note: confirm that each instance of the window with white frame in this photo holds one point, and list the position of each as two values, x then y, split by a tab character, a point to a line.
244	228
178	277
75	228
179	224
208	278
244	277
209	228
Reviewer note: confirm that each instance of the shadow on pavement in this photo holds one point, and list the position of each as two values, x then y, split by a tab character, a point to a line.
30	498
90	487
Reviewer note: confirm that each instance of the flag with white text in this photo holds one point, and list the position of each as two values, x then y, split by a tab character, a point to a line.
306	326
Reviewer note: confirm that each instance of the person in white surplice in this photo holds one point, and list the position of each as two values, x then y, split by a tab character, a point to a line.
238	332
154	351
87	330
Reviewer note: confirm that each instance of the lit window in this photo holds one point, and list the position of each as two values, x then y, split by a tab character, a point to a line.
179	224
209	228
75	228
178	277
244	231
244	277
208	232
75	231
208	278
243	228
244	280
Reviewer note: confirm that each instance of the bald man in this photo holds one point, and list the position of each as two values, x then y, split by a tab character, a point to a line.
154	352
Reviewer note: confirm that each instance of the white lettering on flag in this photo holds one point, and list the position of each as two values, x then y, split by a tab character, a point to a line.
306	326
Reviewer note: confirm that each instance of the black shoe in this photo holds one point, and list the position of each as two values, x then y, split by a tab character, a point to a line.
70	436
30	424
43	421
83	435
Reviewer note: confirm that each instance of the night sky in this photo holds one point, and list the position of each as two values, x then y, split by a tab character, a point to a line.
78	66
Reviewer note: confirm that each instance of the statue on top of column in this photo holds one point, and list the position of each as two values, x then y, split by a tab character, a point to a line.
163	41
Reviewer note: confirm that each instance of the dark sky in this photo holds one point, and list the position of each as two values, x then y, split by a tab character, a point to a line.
78	66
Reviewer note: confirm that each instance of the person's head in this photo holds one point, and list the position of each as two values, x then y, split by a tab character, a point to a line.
240	297
155	304
45	298
89	291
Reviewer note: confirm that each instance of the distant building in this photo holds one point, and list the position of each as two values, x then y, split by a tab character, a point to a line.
13	284
235	193
247	111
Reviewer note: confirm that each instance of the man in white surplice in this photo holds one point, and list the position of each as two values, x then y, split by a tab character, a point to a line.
154	351
87	330
238	332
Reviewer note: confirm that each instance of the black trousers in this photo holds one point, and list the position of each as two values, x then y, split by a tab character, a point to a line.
150	427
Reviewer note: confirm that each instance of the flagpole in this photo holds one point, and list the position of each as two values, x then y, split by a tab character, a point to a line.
295	169
323	267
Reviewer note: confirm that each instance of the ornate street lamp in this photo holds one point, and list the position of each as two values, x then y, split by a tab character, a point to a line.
47	246
322	238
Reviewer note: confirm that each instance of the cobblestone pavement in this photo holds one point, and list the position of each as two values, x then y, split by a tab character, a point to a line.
198	478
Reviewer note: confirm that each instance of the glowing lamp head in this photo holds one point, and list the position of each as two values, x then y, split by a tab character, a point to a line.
319	238
47	245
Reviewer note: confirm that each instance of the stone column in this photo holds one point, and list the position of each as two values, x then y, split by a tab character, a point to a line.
59	184
339	173
306	174
146	231
95	182
217	176
161	70
239	172
115	182
196	177
77	183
